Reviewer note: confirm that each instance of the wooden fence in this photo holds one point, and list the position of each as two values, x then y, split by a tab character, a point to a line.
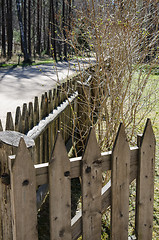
55	110
126	164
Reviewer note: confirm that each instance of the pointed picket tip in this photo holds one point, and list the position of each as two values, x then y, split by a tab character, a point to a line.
9	122
59	148
148	133
120	134
22	144
92	148
22	148
23	157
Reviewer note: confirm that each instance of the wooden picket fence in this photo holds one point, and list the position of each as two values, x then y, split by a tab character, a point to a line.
125	163
55	110
51	112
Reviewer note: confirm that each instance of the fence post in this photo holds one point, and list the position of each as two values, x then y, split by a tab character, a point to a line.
8	146
145	184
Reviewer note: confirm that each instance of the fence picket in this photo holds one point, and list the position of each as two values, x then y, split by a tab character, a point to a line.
50	132
36	111
23	194
9	122
120	175
91	190
36	121
25	122
60	192
46	133
31	115
145	184
18	120
1	128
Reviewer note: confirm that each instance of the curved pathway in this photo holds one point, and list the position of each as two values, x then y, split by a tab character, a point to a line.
20	85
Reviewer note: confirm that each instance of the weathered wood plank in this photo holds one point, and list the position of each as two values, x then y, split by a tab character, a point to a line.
9	122
43	124
36	111
31	115
145	184
91	190
18	120
76	163
60	192
25	122
23	195
36	121
12	138
9	141
5	201
120	175
1	128
42	115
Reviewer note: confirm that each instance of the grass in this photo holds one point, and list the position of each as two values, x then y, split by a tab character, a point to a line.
13	62
154	116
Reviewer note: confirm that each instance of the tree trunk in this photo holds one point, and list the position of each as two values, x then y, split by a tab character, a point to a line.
53	41
9	28
29	27
63	29
38	27
25	21
24	45
3	29
33	30
57	33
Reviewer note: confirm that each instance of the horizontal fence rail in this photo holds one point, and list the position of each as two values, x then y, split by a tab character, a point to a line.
126	164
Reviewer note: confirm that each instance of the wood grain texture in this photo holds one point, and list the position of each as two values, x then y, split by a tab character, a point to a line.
120	175
91	190
145	184
5	200
23	194
12	138
60	192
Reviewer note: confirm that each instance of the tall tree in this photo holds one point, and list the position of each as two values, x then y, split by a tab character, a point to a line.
3	29
53	41
57	31
29	27
25	20
9	29
38	46
24	45
64	28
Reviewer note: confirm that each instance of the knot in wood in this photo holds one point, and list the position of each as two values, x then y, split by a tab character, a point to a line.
25	182
5	177
88	169
67	174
